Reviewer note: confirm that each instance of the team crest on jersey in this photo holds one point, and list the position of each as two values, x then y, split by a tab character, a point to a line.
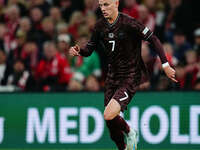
111	35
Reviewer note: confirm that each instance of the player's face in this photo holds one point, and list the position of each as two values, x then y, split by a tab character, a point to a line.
108	7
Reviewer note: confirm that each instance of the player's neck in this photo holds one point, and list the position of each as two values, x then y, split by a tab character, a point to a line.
113	18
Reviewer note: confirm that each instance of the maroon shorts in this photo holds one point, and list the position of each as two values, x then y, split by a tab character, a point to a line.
123	92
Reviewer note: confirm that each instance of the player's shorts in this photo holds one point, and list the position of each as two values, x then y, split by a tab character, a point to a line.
122	91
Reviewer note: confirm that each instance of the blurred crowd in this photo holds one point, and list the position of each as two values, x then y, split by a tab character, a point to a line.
35	36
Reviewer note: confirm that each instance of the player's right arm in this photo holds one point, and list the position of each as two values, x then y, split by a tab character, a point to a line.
89	48
74	51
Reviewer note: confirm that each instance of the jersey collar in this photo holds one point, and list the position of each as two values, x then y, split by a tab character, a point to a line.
116	20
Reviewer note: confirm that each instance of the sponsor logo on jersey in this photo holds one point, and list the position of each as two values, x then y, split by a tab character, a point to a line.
111	35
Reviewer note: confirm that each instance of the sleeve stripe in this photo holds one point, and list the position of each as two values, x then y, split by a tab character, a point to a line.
149	36
145	31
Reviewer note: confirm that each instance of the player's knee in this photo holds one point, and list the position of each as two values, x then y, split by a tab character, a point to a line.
108	116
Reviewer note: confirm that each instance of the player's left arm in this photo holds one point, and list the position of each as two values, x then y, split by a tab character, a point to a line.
157	46
146	34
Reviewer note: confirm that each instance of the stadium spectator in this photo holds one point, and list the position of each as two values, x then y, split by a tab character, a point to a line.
20	75
2	65
36	16
56	15
24	55
43	5
197	85
192	65
90	20
16	51
148	59
90	6
3	31
25	24
151	6
174	18
159	16
92	84
131	8
74	23
163	84
66	9
197	42
53	71
83	30
145	17
149	62
169	51
64	43
62	28
48	30
17	77
180	45
29	55
12	17
86	70
184	78
2	9
22	5
191	58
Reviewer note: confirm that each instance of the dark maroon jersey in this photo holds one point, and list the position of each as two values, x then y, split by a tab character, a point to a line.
122	41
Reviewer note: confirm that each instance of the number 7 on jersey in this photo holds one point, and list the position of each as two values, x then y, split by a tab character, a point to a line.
113	45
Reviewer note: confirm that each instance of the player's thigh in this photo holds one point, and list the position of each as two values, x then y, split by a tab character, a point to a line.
112	110
108	94
124	95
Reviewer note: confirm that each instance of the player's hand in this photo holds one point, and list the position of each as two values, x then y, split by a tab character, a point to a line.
74	51
171	73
